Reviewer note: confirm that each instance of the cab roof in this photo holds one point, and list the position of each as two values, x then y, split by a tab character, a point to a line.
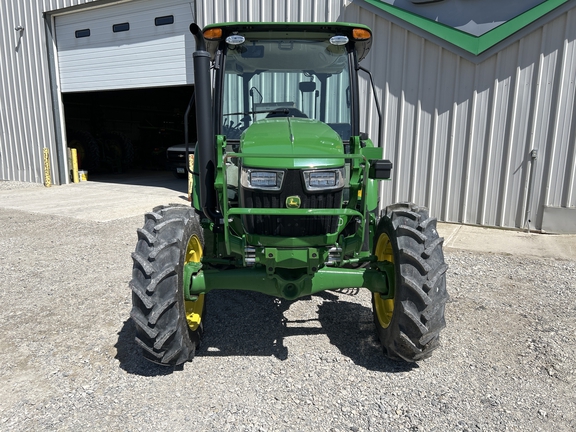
292	29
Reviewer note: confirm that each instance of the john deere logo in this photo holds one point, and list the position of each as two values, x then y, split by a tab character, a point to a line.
293	202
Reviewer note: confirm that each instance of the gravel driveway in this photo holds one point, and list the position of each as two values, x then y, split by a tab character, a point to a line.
69	362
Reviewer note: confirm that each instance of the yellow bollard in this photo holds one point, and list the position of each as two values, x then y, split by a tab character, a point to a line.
74	163
190	176
47	176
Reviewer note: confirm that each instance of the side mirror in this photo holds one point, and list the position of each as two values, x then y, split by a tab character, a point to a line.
380	169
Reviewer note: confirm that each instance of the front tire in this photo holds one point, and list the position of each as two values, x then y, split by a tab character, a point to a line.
168	328
409	321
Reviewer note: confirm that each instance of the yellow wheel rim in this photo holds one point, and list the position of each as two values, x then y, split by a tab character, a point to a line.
194	309
384	307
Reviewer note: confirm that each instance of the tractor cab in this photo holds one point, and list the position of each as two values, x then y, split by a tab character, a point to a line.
303	72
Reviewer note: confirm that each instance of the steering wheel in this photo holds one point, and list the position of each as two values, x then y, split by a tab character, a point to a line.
286	112
232	130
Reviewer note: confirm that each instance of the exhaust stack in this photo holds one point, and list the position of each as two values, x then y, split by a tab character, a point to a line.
204	126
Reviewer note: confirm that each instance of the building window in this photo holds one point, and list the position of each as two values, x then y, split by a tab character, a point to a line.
121	27
164	20
82	33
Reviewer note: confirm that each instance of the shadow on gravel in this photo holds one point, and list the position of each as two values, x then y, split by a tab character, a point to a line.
240	323
350	328
245	323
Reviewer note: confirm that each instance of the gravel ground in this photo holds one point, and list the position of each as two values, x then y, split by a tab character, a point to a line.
69	362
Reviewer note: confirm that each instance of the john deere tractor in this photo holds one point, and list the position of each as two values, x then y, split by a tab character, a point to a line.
286	195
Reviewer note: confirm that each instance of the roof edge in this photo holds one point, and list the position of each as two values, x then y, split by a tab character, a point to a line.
475	45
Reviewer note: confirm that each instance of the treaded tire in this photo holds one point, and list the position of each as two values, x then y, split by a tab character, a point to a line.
411	331
158	307
110	141
88	150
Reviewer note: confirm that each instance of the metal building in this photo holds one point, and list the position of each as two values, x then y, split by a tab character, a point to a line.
480	127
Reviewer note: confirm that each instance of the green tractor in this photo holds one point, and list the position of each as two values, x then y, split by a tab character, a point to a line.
286	196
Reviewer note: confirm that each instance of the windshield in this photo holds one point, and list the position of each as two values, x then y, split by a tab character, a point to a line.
279	77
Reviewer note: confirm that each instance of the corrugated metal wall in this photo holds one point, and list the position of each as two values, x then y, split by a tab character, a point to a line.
26	110
212	11
460	134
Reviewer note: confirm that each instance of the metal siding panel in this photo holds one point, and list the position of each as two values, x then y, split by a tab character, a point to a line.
454	192
407	144
8	154
210	12
26	116
404	145
497	144
560	155
392	107
479	133
423	141
569	195
544	110
571	179
446	77
417	121
525	91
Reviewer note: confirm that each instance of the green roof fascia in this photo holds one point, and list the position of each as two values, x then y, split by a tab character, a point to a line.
473	44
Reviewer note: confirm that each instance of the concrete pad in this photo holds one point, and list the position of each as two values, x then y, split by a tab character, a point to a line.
98	201
508	242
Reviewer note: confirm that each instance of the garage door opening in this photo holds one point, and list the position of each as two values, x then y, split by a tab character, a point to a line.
127	132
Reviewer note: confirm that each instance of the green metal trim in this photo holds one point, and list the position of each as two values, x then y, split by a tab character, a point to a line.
292	156
294	212
272	258
292	242
190	269
473	44
257	279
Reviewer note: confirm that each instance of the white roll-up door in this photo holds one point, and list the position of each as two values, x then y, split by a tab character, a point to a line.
129	45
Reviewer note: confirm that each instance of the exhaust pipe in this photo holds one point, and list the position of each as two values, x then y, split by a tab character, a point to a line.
205	147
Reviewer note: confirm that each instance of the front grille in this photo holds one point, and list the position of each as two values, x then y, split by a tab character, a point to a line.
291	226
176	157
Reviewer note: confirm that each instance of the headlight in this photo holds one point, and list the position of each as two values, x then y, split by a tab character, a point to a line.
261	179
324	179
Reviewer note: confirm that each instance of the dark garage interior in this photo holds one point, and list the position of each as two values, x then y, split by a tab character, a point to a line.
124	132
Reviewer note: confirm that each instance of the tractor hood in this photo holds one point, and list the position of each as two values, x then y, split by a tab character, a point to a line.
303	142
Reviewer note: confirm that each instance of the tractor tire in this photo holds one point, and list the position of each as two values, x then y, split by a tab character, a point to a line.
87	147
409	323
117	150
168	328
